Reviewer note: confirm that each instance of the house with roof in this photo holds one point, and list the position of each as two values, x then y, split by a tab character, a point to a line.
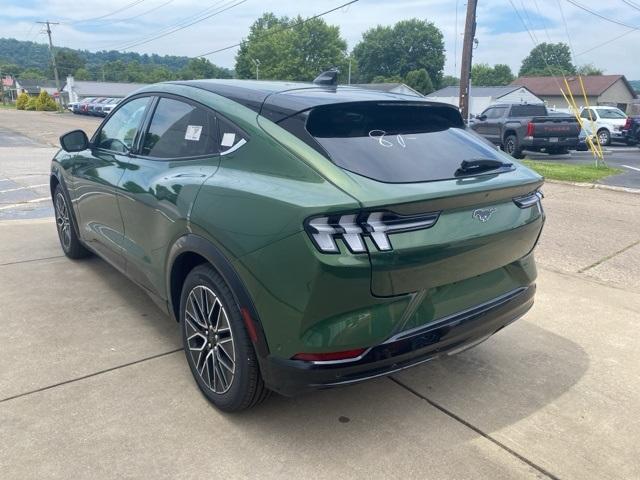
609	90
79	89
34	87
483	97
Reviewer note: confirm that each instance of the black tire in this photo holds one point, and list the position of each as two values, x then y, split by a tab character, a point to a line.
223	363
67	227
512	146
605	137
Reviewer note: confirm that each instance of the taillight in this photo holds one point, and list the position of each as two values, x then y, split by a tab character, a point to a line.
353	228
531	129
627	124
529	200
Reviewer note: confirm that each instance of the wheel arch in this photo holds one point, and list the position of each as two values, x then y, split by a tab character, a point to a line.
192	250
508	133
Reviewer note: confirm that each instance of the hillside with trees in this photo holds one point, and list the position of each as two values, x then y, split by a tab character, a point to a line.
31	60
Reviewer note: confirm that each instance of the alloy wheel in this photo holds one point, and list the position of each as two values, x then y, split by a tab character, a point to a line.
510	146
210	339
603	137
62	221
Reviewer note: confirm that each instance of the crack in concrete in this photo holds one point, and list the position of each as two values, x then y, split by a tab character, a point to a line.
480	432
609	257
94	374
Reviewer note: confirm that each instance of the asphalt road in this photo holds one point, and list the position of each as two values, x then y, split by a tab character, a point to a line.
626	159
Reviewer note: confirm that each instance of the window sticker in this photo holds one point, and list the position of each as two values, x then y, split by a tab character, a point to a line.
228	139
193	132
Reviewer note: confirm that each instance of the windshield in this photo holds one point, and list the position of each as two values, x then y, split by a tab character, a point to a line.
397	142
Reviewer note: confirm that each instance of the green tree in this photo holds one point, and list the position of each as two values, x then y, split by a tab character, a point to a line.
32	74
548	59
82	74
289	49
203	68
449	81
44	102
67	61
588	70
21	101
408	45
483	75
419	80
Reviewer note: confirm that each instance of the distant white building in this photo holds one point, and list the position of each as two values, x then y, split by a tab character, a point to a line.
483	97
79	89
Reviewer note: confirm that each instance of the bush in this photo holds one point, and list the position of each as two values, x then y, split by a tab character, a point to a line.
44	102
22	101
31	103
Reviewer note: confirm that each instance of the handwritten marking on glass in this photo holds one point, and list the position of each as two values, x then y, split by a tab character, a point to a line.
379	136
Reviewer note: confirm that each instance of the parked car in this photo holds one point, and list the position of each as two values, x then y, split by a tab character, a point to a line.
631	130
84	105
104	109
608	123
519	127
304	236
78	106
93	106
71	105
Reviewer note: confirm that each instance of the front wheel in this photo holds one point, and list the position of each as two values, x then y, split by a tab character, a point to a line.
512	146
67	233
218	349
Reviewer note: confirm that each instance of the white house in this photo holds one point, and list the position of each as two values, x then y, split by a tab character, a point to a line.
483	97
79	89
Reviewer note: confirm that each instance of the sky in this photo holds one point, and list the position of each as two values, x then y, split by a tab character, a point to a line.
502	36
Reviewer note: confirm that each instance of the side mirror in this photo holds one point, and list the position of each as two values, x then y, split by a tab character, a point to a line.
74	141
482	118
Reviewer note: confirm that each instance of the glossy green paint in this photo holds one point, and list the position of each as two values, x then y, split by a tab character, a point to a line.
251	205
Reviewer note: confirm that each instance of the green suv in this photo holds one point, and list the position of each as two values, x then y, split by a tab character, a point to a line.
303	235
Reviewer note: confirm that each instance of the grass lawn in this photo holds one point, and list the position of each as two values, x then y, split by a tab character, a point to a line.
569	172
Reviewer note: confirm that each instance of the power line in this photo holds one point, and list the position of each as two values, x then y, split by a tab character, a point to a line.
605	43
122	9
268	33
599	15
127	19
201	15
632	4
186	26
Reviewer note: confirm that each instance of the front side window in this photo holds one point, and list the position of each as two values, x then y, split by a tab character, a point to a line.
119	133
180	130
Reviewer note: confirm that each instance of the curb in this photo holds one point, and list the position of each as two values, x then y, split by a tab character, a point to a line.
598	186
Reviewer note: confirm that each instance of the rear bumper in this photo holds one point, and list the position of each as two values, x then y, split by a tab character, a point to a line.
568	142
446	336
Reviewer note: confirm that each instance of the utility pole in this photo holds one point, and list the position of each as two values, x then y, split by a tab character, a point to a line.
467	57
2	88
53	59
256	62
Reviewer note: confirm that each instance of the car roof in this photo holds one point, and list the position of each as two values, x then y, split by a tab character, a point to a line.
279	100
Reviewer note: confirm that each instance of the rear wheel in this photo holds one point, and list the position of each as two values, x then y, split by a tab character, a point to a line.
65	223
218	349
604	137
512	146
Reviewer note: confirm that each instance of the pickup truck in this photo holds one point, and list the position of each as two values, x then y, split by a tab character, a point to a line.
518	127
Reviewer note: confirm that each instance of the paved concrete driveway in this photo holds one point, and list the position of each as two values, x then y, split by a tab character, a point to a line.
93	384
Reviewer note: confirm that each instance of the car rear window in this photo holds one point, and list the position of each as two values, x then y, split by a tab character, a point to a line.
394	142
528	111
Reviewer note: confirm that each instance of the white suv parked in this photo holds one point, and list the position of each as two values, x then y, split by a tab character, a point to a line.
609	123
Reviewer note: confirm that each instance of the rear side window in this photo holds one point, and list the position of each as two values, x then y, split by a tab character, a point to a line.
180	130
396	142
528	111
231	138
